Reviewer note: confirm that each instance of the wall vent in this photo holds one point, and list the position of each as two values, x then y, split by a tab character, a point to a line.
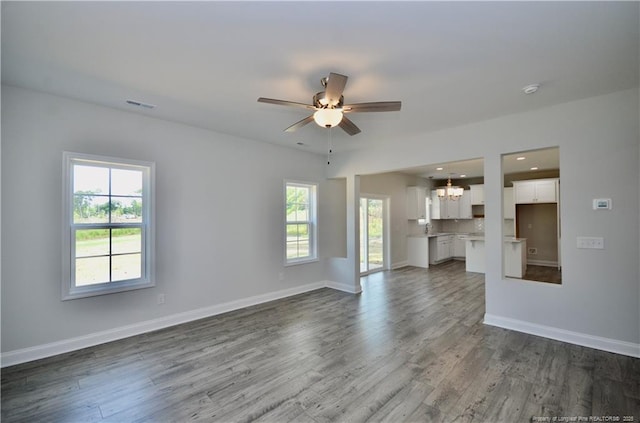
140	104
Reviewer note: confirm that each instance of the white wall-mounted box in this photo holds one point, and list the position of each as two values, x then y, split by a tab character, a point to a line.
602	203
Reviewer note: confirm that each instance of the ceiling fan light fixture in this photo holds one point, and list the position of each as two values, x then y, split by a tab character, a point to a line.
328	118
330	109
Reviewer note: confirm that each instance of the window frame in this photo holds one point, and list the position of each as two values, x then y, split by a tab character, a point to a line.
69	289
312	222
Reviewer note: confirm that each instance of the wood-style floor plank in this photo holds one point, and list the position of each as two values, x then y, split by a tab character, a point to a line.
411	347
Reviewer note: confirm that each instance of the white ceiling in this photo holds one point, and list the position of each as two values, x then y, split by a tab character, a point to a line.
528	161
206	63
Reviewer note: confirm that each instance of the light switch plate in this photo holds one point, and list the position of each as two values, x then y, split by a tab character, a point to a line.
591	242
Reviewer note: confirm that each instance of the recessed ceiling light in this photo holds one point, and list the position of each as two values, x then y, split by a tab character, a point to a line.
439	168
520	158
534	168
300	143
463	176
530	89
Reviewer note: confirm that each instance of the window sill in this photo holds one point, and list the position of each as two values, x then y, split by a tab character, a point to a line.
97	290
301	261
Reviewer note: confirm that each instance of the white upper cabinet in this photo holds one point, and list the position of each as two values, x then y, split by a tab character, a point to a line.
536	191
438	208
465	205
452	208
443	208
416	203
477	194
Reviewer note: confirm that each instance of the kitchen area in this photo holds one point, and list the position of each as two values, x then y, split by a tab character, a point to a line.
451	220
422	225
446	216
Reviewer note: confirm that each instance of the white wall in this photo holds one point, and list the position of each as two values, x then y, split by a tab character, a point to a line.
219	203
598	302
333	218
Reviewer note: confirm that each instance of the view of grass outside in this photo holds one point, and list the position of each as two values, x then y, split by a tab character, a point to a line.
297	240
371	234
107	255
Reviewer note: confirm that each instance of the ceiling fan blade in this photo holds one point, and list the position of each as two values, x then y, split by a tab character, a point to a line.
376	106
299	124
335	87
348	126
285	103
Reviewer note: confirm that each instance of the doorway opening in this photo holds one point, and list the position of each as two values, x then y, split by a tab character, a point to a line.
373	234
531	196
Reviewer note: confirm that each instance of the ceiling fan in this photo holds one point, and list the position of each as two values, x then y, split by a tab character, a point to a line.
329	108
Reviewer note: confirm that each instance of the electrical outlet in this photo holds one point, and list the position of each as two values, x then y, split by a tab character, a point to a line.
280	276
590	242
160	298
532	251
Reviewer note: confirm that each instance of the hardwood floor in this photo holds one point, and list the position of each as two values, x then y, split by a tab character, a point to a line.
543	274
410	348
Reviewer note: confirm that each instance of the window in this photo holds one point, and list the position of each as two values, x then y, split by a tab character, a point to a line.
108	225
300	226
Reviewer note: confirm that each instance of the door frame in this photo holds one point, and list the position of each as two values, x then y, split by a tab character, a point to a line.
386	231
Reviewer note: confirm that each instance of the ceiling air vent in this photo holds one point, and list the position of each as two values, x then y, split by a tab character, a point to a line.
140	104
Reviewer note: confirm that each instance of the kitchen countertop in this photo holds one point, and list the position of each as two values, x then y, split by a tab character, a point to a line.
470	237
433	235
506	238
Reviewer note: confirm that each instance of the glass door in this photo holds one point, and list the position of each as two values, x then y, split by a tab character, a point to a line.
372	235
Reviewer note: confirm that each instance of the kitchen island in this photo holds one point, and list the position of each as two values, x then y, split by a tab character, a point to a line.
515	256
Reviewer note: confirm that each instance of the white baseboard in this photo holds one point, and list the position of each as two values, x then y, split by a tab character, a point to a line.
37	352
399	264
342	287
577	338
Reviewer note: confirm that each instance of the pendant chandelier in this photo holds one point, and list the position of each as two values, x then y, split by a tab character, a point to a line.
451	192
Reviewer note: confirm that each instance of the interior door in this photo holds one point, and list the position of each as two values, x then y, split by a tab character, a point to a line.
372	235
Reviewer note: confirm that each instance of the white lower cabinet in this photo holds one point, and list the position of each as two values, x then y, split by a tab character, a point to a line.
459	246
440	248
418	251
